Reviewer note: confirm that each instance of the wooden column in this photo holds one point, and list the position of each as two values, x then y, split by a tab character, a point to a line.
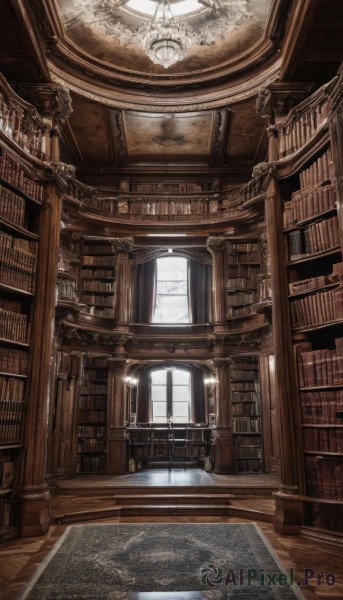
288	514
116	440
217	247
54	105
224	440
123	279
35	492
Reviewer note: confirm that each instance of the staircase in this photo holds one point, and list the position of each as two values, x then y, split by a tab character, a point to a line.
173	501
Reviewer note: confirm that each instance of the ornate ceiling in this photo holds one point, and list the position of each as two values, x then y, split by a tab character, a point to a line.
197	118
110	31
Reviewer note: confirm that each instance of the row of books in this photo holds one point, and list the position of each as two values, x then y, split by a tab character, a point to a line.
242	247
300	129
246	424
11	171
246	409
11	388
97	273
324	476
97	249
91	403
18	269
91	431
13	361
318	237
240	298
316	309
11	412
91	464
91	445
323	440
96	373
240	283
318	172
14	326
322	407
96	285
320	367
168	188
17	243
12	207
97	300
98	260
98	312
244	396
238	269
308	203
98	362
244	386
242	311
93	388
313	283
92	416
244	258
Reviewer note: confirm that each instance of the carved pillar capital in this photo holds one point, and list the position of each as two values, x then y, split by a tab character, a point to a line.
122	245
50	99
215	243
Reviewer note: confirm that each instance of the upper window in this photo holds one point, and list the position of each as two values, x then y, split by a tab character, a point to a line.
171	300
148	7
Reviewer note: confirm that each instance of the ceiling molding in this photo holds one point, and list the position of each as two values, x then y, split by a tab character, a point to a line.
167	103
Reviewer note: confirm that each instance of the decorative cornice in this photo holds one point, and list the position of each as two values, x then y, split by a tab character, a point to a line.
221	98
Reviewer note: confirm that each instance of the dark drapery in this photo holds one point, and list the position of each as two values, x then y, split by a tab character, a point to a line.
143	291
144	408
199	283
198	396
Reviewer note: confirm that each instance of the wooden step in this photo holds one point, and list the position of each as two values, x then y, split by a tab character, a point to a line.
204	499
87	515
250	513
134	510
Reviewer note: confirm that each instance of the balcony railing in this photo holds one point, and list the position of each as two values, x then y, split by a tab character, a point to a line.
20	121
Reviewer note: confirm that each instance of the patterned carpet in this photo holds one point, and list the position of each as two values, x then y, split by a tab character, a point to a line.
113	561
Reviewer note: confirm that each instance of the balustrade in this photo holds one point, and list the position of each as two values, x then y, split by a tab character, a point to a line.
21	122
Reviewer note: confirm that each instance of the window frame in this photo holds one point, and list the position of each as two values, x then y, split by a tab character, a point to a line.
170	395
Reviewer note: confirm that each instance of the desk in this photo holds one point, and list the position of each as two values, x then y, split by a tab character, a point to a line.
169	445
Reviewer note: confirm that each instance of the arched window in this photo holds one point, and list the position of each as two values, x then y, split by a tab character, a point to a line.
172	291
170	395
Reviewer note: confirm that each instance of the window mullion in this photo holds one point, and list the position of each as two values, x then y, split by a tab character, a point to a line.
169	392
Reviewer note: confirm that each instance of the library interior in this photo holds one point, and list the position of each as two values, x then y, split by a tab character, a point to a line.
171	273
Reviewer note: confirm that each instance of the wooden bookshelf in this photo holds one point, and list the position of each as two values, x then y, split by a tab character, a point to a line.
314	267
246	415
97	277
20	202
243	268
92	416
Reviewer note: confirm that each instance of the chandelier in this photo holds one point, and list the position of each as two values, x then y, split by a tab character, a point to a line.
167	41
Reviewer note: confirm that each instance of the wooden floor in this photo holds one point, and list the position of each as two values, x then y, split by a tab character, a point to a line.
20	558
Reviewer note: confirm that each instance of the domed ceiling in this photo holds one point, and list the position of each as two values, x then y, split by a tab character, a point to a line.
111	31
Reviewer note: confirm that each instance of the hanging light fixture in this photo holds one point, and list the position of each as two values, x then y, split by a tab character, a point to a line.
167	41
